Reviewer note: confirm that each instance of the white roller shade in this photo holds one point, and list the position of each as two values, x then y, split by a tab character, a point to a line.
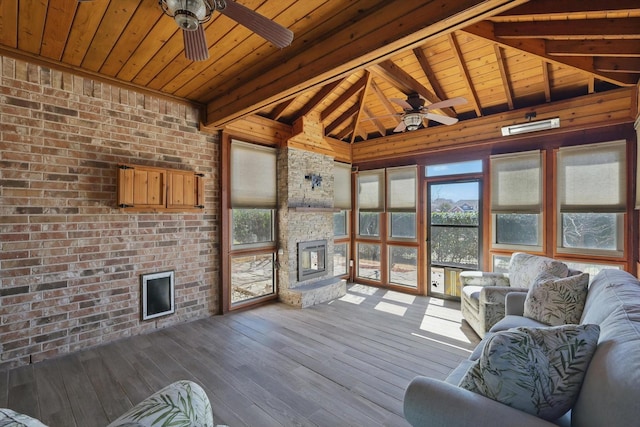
371	191
592	178
253	176
402	189
516	183
341	186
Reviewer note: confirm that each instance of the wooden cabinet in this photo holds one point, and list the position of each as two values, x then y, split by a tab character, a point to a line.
144	188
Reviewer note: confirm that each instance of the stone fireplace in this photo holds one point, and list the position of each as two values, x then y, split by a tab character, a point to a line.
305	226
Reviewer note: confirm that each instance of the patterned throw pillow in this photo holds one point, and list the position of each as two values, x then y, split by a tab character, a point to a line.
535	370
524	268
557	300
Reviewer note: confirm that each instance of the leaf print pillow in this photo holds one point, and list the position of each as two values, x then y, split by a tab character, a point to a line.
557	300
535	370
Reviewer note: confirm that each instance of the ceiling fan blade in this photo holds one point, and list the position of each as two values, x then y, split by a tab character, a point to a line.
195	45
441	119
401	102
400	128
447	103
262	26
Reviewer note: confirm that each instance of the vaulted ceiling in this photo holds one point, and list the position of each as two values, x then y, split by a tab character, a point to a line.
347	59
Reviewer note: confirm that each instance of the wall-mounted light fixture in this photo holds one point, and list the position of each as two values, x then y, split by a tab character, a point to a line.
316	180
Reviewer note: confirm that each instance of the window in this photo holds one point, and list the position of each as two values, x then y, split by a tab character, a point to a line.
369	261
403	266
592	196
459	168
252	226
253	202
340	224
370	202
516	200
340	257
401	202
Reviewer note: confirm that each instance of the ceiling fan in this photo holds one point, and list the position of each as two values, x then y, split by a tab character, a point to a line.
415	111
191	14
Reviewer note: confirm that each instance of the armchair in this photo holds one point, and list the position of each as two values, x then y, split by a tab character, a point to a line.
483	293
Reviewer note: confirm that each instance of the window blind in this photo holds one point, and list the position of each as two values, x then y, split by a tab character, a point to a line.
401	189
516	182
341	186
592	178
253	176
371	191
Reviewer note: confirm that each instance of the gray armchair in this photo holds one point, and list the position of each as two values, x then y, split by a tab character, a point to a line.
483	293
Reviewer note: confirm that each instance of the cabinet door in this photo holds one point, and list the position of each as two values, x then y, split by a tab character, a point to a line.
141	187
182	190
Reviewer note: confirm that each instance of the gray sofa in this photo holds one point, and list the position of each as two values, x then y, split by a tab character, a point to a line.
610	392
180	404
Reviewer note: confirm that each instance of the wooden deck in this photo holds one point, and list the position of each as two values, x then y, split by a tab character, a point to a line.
342	363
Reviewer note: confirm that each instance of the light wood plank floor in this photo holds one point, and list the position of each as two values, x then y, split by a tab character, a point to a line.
347	362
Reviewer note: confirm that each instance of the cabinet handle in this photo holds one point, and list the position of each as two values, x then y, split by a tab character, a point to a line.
201	175
124	205
200	206
124	167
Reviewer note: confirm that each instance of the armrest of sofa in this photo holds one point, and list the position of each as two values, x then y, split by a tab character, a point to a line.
483	278
514	303
433	403
182	403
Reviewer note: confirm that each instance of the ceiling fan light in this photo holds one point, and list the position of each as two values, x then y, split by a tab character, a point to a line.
412	120
188	14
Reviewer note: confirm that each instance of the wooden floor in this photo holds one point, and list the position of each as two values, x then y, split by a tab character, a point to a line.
337	364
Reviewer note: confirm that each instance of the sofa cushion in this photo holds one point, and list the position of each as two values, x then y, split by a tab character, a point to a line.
536	370
13	419
557	300
611	387
513	321
524	268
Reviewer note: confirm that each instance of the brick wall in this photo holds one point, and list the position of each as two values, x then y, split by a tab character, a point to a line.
70	261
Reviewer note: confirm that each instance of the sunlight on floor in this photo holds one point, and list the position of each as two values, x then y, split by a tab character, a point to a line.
352	299
363	289
442	342
438	318
391	308
399	297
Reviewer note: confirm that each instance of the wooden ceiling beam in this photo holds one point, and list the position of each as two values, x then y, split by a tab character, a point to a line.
617	65
320	96
465	73
536	47
554	7
350	112
280	109
390	29
407	84
351	91
506	82
362	97
547	83
428	72
376	122
615	48
575	29
385	101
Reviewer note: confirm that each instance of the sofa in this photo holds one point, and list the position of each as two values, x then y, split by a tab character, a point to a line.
180	404
609	390
483	293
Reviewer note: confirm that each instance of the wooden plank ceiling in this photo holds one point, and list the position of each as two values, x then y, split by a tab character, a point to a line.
348	58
